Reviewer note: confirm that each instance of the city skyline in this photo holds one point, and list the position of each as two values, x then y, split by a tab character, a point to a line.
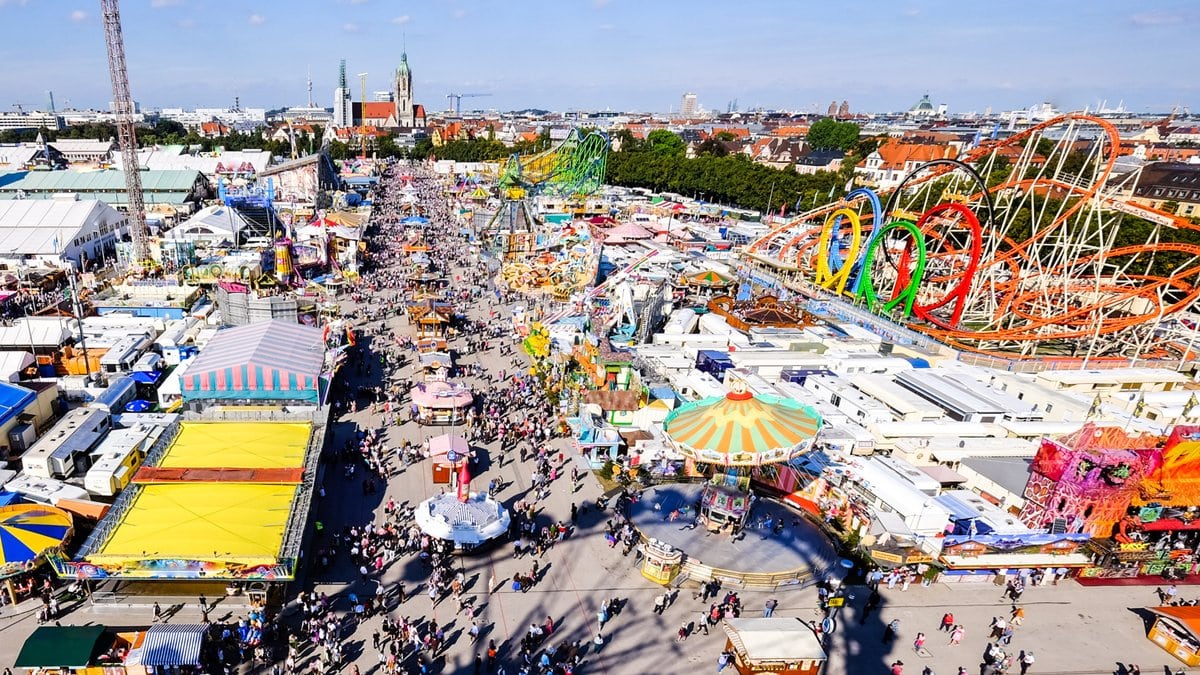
193	53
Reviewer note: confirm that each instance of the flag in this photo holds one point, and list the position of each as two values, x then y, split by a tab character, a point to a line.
978	138
1140	407
995	131
1096	402
464	482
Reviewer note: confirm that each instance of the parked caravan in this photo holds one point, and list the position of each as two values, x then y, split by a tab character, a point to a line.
65	450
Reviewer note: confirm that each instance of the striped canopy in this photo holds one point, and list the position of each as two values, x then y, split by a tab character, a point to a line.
743	429
27	531
710	279
269	360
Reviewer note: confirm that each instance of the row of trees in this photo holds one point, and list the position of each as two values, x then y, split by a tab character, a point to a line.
660	163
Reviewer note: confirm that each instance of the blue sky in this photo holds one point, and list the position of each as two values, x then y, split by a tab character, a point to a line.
618	54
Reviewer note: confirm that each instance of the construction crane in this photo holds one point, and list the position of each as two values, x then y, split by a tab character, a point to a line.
456	100
126	132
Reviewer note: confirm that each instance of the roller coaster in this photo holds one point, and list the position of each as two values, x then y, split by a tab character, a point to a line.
1013	250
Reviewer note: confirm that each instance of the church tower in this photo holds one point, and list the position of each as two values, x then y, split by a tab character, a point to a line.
405	112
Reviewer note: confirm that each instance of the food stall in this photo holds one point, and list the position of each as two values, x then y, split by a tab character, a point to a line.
1177	631
441	402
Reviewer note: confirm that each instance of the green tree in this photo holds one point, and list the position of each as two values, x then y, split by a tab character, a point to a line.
386	147
712	147
338	150
663	142
830	134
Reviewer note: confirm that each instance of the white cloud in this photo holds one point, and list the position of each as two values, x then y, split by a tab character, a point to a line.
165	3
78	16
606	26
1160	18
912	11
459	13
600	3
185	23
257	19
18	3
349	28
402	19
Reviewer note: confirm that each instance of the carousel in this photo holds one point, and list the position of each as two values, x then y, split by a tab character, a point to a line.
467	520
728	436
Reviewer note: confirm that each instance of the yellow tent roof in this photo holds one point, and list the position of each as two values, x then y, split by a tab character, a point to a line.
238	445
234	522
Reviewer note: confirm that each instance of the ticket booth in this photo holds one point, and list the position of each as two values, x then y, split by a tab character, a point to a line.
661	562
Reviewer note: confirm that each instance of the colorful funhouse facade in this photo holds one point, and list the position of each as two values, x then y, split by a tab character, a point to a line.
1138	495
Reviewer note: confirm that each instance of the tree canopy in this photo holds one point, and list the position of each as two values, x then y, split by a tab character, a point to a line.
830	134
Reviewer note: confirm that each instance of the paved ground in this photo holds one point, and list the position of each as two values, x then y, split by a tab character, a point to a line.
799	546
1071	629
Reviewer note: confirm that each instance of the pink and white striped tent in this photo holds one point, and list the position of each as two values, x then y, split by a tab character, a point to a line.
267	361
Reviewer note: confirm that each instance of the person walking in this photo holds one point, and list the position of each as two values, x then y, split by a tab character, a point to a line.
947	622
1025	660
919	643
157	612
956	635
769	607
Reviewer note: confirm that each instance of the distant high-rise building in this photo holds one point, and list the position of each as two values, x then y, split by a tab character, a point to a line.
844	110
382	96
343	111
832	111
688	106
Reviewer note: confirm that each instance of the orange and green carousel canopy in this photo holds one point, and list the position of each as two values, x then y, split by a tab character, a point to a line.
743	429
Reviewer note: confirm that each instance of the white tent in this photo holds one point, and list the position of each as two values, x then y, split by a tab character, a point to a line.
12	364
212	223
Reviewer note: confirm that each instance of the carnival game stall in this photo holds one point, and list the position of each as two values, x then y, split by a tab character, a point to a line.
441	402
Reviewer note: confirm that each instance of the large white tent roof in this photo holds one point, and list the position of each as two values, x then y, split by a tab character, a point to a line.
47	226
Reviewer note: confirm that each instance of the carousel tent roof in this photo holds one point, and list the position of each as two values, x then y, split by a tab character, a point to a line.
627	232
709	278
743	429
29	530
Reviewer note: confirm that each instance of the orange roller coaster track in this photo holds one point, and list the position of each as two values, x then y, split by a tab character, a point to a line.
1043	273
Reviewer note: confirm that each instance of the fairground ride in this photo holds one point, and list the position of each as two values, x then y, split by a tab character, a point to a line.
547	252
1030	247
573	168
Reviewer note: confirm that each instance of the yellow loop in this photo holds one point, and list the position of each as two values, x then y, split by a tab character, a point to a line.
825	276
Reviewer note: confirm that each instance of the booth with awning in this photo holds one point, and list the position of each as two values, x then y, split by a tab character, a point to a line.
1177	631
441	402
61	647
170	645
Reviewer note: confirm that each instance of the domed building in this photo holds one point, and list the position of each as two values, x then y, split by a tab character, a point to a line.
922	108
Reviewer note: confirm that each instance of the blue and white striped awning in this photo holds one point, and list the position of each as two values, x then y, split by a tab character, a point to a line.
173	644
